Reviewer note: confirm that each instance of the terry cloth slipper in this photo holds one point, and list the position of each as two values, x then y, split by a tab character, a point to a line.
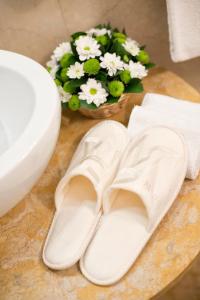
149	178
78	197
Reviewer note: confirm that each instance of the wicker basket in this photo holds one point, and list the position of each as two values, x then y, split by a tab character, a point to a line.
105	110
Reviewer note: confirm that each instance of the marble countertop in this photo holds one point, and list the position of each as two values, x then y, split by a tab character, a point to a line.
172	248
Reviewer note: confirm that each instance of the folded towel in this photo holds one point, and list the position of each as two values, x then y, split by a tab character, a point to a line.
184	29
182	116
162	103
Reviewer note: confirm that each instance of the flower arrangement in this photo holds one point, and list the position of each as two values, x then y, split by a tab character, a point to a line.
97	66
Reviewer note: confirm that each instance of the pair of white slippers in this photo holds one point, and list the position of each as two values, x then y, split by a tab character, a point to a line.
114	194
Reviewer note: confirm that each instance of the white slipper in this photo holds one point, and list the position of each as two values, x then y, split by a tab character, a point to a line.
79	194
149	178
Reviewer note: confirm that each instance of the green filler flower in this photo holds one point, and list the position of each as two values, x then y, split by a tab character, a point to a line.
125	76
143	57
74	103
91	66
116	88
67	60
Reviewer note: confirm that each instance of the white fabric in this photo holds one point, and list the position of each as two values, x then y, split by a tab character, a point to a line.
171	104
184	29
149	178
178	114
79	194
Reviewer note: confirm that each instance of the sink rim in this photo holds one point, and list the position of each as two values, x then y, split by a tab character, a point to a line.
43	112
26	91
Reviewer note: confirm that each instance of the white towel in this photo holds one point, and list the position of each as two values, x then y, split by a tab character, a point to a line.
184	29
180	115
160	102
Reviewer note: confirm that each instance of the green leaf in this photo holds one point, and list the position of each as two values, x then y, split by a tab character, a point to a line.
142	47
102	76
112	99
74	49
72	85
84	104
77	82
103	49
124	31
115	29
104	85
100	26
109	43
76	35
118	49
108	26
67	60
58	74
134	86
64	105
149	65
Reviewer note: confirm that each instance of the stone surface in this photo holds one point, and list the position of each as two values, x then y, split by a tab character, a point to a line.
171	249
187	287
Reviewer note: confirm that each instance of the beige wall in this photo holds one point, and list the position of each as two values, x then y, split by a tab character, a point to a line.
34	27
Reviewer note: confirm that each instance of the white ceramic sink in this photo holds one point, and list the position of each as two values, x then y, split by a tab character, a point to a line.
29	125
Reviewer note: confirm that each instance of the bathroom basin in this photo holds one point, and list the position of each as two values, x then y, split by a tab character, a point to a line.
30	114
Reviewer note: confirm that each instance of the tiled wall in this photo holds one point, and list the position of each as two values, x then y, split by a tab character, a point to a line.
34	27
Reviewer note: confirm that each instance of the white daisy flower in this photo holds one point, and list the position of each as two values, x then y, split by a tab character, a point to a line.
61	50
98	32
93	92
53	71
87	47
52	62
131	46
112	63
75	71
136	69
53	65
64	97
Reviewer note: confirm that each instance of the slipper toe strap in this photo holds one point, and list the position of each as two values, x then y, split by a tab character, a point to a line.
148	180
89	162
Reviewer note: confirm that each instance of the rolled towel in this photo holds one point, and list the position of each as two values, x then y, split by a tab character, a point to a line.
184	29
143	117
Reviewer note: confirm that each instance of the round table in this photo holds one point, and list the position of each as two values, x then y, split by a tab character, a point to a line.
172	248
